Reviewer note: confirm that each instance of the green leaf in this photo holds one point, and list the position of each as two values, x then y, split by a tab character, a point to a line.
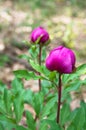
49	105
30	121
73	115
38	102
1	126
66	78
71	127
17	85
43	53
72	86
42	69
38	40
53	112
36	66
28	97
2	99
35	100
52	75
21	74
83	105
65	112
33	51
5	123
45	86
2	107
26	74
50	125
7	101
80	70
43	126
18	98
84	127
78	118
54	125
19	106
17	127
24	56
2	87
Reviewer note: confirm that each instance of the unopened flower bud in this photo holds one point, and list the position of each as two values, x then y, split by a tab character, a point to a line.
61	59
39	35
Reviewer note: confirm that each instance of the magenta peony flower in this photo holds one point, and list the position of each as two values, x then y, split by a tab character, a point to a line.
61	59
40	34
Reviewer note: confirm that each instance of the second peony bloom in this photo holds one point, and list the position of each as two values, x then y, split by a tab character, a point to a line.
61	59
39	34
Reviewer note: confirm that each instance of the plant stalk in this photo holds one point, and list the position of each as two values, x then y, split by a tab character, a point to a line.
40	53
59	99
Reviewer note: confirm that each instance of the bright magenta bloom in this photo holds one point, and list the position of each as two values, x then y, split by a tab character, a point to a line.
40	34
61	59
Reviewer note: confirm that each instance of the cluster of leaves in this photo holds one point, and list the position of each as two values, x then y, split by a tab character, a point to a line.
44	103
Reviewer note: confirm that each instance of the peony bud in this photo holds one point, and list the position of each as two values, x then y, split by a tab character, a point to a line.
61	59
39	34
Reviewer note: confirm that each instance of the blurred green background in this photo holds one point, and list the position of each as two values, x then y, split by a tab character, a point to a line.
65	20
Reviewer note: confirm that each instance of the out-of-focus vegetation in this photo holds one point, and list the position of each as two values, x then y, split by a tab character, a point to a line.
65	20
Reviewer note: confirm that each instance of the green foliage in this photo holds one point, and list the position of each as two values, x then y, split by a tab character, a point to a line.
30	121
18	106
42	69
47	109
73	81
69	36
44	103
3	59
78	117
65	113
7	98
25	74
49	125
79	3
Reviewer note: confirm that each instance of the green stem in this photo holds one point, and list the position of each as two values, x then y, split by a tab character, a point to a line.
40	51
59	99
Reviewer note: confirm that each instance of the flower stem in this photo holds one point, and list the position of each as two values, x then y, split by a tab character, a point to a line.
40	51
59	99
